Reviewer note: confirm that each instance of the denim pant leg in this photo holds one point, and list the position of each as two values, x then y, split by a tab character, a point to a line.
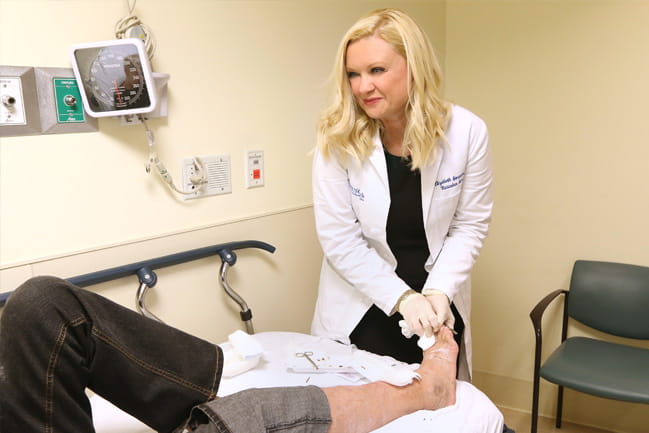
300	409
57	339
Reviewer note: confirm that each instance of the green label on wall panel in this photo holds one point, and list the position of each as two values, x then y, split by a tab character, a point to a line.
69	108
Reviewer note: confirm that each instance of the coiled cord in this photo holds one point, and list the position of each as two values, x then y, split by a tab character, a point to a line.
132	26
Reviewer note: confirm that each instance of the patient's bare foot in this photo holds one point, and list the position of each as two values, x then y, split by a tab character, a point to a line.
364	408
438	371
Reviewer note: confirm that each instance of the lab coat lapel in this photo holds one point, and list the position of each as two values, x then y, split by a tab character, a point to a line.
377	161
428	178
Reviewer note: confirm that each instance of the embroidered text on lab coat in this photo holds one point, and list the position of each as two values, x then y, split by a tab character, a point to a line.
356	192
450	182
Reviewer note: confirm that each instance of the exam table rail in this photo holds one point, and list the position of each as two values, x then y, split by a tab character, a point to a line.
147	278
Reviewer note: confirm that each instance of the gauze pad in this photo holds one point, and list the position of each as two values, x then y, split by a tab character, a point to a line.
424	342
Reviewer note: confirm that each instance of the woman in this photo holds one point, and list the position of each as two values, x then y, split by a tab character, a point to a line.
401	186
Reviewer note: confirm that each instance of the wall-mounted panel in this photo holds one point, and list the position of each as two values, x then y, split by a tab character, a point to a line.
19	113
59	99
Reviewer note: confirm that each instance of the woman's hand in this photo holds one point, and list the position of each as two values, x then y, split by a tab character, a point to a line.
418	313
442	309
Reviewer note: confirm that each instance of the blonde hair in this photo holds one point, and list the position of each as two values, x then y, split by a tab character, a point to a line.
345	129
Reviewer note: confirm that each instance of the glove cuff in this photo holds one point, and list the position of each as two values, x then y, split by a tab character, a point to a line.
430	292
402	300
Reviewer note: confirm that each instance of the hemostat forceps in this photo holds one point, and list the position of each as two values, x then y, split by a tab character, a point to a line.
307	355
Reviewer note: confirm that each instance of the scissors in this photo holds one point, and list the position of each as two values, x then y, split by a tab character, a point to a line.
307	355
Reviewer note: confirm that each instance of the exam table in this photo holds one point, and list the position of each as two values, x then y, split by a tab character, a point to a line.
473	412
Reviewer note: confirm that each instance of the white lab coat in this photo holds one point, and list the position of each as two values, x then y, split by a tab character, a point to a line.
351	205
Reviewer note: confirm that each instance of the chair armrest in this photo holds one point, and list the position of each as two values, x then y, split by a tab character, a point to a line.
536	315
537	312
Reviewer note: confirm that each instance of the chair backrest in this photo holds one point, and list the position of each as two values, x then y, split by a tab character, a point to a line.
611	297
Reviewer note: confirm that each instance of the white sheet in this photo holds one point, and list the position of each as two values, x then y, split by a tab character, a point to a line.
473	412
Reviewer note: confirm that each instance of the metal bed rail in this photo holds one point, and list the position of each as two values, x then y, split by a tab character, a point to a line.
147	278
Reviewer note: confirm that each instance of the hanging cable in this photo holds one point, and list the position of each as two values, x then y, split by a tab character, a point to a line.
132	26
153	161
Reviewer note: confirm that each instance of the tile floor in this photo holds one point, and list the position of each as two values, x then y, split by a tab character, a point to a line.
520	423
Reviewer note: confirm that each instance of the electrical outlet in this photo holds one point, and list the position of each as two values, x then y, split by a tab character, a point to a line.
188	171
216	176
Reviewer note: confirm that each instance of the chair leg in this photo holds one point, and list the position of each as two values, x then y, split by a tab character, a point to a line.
559	406
535	403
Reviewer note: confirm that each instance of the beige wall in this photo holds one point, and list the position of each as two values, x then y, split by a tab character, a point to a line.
245	75
563	87
278	287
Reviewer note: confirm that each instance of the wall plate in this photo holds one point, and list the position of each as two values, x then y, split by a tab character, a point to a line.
19	114
254	168
217	175
61	109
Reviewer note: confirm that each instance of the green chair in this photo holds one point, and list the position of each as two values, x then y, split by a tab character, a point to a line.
612	298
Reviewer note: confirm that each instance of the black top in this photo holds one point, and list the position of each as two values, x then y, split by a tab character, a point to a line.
406	237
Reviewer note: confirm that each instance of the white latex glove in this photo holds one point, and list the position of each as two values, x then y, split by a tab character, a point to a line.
442	308
418	313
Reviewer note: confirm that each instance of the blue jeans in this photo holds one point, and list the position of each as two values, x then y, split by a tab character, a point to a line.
56	340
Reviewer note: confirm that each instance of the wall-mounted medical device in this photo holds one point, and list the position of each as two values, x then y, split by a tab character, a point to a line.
60	102
19	113
115	77
37	100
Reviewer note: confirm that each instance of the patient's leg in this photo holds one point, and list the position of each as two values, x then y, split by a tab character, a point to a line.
58	339
356	409
350	409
